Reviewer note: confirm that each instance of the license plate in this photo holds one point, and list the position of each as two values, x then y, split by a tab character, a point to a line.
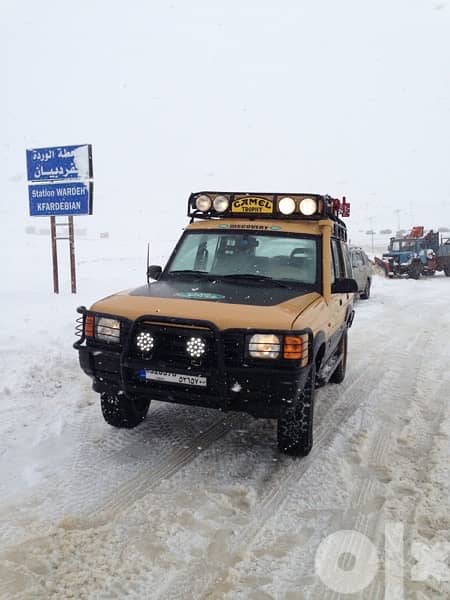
195	380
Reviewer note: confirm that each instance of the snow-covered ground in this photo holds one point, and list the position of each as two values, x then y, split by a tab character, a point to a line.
199	504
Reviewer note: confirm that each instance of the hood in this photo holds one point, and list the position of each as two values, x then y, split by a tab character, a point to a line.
226	304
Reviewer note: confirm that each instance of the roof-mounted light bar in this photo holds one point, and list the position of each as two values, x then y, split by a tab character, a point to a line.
208	205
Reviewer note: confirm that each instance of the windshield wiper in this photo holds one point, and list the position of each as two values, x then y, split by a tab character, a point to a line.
254	277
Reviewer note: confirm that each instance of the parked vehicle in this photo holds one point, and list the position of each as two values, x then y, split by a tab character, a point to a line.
362	271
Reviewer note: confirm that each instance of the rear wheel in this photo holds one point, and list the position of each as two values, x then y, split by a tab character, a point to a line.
365	295
123	411
339	373
447	271
295	434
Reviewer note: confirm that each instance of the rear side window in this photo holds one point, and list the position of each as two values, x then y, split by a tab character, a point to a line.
338	271
357	259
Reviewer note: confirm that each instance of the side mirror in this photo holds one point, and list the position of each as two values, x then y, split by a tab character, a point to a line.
344	286
154	272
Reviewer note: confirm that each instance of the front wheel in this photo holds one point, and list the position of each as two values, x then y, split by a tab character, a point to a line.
365	295
123	411
415	270
295	424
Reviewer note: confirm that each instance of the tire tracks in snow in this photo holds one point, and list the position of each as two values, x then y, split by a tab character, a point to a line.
140	485
204	585
366	512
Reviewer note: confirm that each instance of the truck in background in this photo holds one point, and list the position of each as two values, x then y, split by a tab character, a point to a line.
416	253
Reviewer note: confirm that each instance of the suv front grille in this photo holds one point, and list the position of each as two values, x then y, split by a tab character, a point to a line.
170	346
233	342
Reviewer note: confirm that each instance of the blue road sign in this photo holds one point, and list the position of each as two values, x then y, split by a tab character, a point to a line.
59	163
60	199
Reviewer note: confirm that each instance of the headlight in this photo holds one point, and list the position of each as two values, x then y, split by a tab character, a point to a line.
107	330
308	206
220	204
263	345
286	206
203	203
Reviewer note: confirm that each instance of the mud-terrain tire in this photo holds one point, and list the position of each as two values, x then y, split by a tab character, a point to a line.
295	424
339	373
122	411
365	295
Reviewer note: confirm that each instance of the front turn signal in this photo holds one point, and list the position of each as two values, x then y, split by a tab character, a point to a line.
295	347
89	326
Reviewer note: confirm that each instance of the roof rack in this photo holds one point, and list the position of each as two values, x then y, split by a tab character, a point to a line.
219	205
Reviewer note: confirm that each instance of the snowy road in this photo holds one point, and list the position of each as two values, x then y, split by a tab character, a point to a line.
196	504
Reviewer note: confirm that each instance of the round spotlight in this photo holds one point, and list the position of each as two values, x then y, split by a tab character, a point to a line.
286	206
145	341
308	206
196	347
220	204
203	203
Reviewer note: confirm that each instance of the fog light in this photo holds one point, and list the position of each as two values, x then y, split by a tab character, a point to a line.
145	341
196	347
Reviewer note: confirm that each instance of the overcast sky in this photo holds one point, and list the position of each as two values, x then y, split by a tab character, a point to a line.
347	97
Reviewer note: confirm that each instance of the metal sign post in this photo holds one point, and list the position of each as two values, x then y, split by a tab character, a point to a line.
54	255
60	183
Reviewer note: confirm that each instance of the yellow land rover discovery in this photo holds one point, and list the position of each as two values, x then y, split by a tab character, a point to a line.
250	314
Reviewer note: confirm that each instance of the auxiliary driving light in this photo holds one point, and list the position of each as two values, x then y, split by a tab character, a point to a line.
203	203
308	206
145	341
196	347
286	206
221	203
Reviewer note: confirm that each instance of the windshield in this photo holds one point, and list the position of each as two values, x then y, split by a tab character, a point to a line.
399	245
281	256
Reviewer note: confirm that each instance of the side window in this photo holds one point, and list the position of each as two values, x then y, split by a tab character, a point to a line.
348	265
338	260
357	259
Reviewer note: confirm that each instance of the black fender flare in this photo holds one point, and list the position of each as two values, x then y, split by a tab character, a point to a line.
319	341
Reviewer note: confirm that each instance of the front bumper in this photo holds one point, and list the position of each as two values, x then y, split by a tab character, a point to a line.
255	387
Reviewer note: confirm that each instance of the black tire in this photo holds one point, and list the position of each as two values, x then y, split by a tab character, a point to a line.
365	295
295	424
122	411
339	373
447	271
415	270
